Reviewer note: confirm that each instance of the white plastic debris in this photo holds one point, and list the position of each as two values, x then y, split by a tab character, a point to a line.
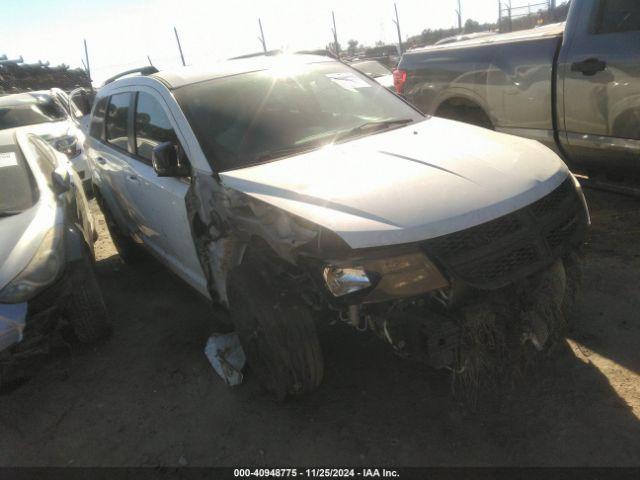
226	357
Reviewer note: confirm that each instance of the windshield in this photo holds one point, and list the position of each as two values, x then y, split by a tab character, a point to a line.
255	117
372	68
18	189
41	109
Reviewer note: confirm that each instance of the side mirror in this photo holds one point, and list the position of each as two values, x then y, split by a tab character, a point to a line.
166	162
61	180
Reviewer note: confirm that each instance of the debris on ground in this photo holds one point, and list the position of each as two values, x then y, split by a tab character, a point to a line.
226	357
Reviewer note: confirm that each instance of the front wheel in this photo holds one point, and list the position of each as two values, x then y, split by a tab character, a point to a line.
277	333
86	311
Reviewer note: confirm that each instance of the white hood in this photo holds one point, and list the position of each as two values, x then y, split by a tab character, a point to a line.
407	185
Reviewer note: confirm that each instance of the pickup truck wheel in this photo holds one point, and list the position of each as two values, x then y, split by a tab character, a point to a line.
473	115
277	333
85	309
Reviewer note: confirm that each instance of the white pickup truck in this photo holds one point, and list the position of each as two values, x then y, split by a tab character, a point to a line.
294	187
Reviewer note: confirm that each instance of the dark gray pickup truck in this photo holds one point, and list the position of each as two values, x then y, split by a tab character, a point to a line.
573	86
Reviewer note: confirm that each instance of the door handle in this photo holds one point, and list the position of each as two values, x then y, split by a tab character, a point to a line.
101	161
133	178
589	67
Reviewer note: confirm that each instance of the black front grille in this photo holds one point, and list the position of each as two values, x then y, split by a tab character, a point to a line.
554	200
561	234
476	237
495	253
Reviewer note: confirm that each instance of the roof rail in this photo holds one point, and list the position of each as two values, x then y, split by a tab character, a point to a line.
269	53
148	70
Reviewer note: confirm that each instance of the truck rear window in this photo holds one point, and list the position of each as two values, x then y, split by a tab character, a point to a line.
619	16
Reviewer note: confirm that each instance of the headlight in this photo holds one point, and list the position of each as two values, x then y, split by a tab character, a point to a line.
68	145
42	270
401	276
343	281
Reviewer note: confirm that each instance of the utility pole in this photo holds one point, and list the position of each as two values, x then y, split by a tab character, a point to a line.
459	13
261	37
336	46
175	30
499	16
86	56
397	22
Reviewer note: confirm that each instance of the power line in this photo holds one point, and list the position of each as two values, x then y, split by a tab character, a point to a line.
261	37
397	22
175	30
336	45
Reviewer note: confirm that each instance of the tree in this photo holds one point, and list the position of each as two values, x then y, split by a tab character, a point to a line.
353	47
471	26
331	46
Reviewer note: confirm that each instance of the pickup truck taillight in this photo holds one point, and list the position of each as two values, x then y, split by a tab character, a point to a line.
399	77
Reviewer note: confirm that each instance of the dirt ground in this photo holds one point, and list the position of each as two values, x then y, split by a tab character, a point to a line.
149	397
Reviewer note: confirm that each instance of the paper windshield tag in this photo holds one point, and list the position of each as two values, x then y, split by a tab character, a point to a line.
8	159
348	81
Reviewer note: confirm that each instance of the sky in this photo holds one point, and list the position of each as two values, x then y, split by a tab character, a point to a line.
121	33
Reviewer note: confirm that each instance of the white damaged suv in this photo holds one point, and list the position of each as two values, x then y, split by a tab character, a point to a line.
295	188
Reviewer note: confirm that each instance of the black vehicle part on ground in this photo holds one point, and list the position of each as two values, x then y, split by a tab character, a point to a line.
276	330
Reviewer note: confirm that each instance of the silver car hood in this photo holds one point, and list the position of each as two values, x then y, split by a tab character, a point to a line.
414	183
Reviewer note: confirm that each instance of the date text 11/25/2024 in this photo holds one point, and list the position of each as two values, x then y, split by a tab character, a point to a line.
315	473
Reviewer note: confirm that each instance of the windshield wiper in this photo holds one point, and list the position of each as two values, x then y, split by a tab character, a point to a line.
307	147
285	152
373	126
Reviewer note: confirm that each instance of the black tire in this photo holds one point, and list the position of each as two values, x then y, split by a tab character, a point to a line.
86	311
277	333
129	251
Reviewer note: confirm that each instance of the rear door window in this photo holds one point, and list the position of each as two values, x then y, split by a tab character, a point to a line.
619	16
152	126
96	129
117	120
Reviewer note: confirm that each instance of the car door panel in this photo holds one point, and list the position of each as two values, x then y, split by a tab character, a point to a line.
158	203
601	86
107	162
